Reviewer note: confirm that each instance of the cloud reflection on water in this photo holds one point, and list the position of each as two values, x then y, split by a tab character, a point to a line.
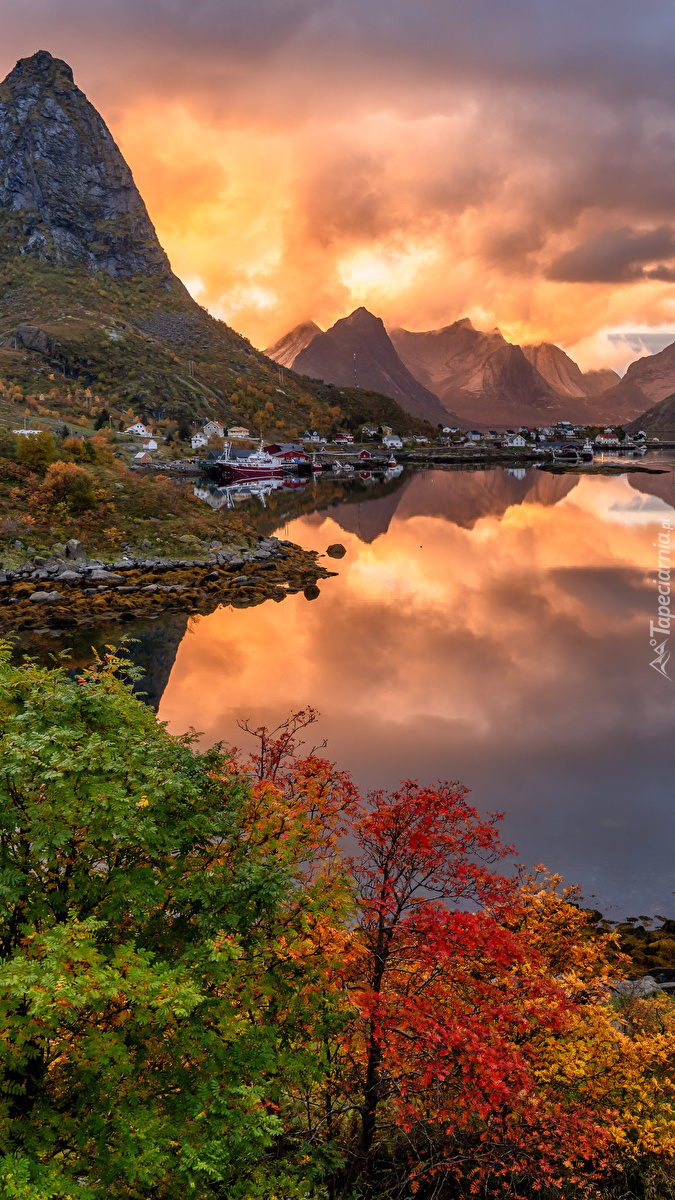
508	651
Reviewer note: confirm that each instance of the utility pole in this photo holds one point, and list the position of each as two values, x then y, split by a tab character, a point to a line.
355	383
191	369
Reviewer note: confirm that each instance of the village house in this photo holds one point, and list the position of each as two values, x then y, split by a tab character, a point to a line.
344	439
311	435
151	444
214	429
142	458
474	436
198	440
386	430
290	452
235	431
517	440
138	430
606	439
26	432
369	430
392	442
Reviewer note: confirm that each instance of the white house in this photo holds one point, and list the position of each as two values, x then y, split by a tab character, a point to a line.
214	429
311	435
473	436
450	429
369	430
151	444
198	440
392	442
26	432
518	440
606	439
138	429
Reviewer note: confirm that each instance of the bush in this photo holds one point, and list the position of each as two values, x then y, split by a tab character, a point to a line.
66	482
8	444
36	452
72	448
101	448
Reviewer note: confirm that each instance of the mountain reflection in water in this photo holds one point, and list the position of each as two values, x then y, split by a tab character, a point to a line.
485	628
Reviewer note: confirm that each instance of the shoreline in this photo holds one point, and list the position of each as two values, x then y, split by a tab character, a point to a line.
64	591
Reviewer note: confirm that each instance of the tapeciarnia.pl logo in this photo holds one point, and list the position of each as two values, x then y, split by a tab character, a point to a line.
661	626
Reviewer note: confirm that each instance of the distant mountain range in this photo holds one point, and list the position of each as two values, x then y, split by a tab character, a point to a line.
471	377
358	350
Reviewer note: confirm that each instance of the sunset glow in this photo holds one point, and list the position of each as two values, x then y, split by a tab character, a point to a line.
434	162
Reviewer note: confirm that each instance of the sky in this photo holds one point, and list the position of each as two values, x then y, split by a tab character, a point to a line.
508	160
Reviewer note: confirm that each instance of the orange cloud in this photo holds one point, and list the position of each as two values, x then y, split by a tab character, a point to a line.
302	157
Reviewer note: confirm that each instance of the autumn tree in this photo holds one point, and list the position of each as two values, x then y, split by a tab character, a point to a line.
69	484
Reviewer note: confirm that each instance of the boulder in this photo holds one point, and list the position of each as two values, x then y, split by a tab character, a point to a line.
336	550
46	597
106	577
74	550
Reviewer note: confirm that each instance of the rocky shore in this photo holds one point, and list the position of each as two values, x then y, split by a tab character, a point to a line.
68	589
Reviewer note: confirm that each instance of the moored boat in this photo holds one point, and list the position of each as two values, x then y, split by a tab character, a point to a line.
258	465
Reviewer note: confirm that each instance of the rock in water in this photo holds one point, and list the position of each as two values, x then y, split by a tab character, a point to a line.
336	550
66	193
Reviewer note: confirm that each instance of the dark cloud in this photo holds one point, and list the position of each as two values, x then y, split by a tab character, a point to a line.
614	256
612	46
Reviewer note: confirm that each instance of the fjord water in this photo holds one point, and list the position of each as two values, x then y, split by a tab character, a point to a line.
484	627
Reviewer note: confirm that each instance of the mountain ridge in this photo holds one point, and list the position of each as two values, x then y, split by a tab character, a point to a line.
358	350
482	379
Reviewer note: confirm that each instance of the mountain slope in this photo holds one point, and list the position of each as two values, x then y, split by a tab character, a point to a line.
66	192
286	350
659	419
480	375
564	375
358	350
647	383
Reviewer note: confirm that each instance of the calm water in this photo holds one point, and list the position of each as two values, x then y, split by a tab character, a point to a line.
485	626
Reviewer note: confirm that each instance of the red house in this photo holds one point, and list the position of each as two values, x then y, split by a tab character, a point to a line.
289	451
365	454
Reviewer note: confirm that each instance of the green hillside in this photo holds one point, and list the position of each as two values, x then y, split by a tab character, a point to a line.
143	345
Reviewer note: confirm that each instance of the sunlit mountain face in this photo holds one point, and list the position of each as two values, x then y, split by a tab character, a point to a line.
509	163
485	628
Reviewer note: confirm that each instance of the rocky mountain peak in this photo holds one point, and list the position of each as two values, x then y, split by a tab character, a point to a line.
66	193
